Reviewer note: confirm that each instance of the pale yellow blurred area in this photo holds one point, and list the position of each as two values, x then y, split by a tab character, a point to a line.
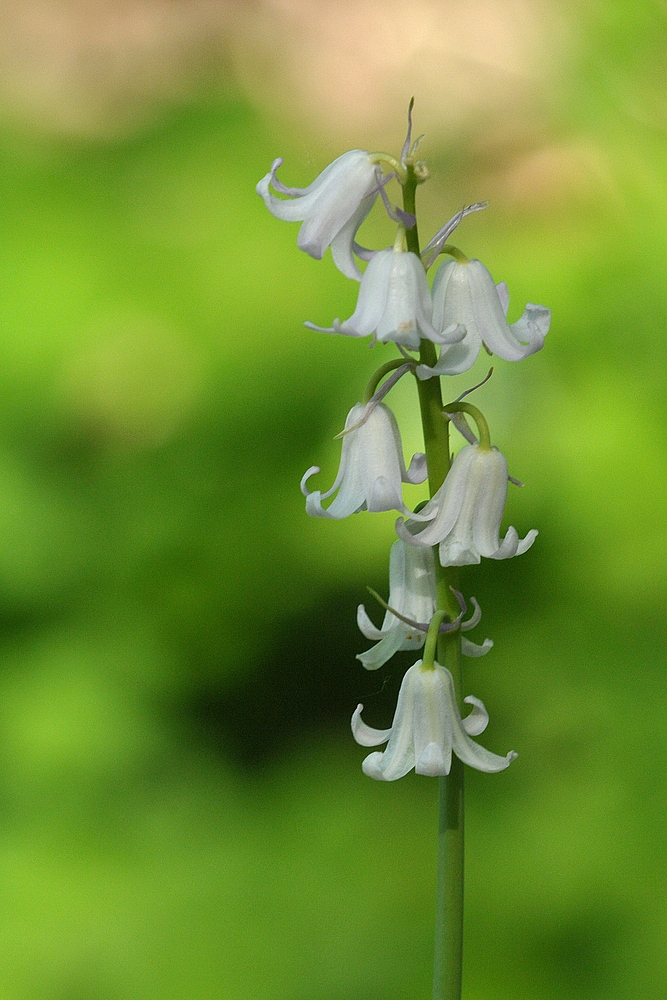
480	70
83	65
349	65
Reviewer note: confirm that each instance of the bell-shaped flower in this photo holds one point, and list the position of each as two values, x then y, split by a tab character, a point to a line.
465	513
331	208
412	592
394	303
427	728
371	467
464	292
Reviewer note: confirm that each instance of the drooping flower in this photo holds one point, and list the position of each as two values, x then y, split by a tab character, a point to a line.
331	208
371	467
427	728
394	304
464	292
465	513
412	592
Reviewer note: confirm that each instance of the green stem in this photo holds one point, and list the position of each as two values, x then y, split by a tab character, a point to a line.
377	377
477	416
409	202
455	253
448	959
448	950
428	660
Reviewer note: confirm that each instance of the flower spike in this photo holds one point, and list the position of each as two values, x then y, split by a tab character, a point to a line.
408	139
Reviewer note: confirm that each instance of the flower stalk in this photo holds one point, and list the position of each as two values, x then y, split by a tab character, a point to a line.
448	938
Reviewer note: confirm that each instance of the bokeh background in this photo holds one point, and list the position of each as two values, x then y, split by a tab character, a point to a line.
182	809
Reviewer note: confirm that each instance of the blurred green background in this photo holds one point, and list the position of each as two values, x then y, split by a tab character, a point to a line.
182	809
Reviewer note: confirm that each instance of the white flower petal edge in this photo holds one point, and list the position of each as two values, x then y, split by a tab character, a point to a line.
371	468
469	648
426	730
465	293
394	303
465	513
412	588
331	208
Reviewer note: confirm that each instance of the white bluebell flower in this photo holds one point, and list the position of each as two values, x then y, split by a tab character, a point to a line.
464	292
394	303
412	592
427	729
464	515
371	469
331	208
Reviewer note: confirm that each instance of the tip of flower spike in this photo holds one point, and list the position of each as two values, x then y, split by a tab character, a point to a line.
408	139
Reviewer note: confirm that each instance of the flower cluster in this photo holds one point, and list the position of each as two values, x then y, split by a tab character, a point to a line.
463	312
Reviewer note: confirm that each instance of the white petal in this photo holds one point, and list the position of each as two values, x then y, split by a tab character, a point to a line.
474	755
507	548
373	767
512	546
398	321
383	651
469	648
532	328
341	188
366	626
412	589
312	471
467	750
452	334
407	313
379	455
348	482
432	717
336	328
417	600
475	617
371	467
477	721
453	360
490	500
342	243
288	211
329	207
383	495
444	506
525	543
465	293
432	761
503	295
372	297
416	472
365	735
399	756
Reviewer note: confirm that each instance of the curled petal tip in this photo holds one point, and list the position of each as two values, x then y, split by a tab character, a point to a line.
312	471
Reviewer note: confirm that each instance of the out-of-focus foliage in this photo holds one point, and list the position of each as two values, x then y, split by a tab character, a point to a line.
182	810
